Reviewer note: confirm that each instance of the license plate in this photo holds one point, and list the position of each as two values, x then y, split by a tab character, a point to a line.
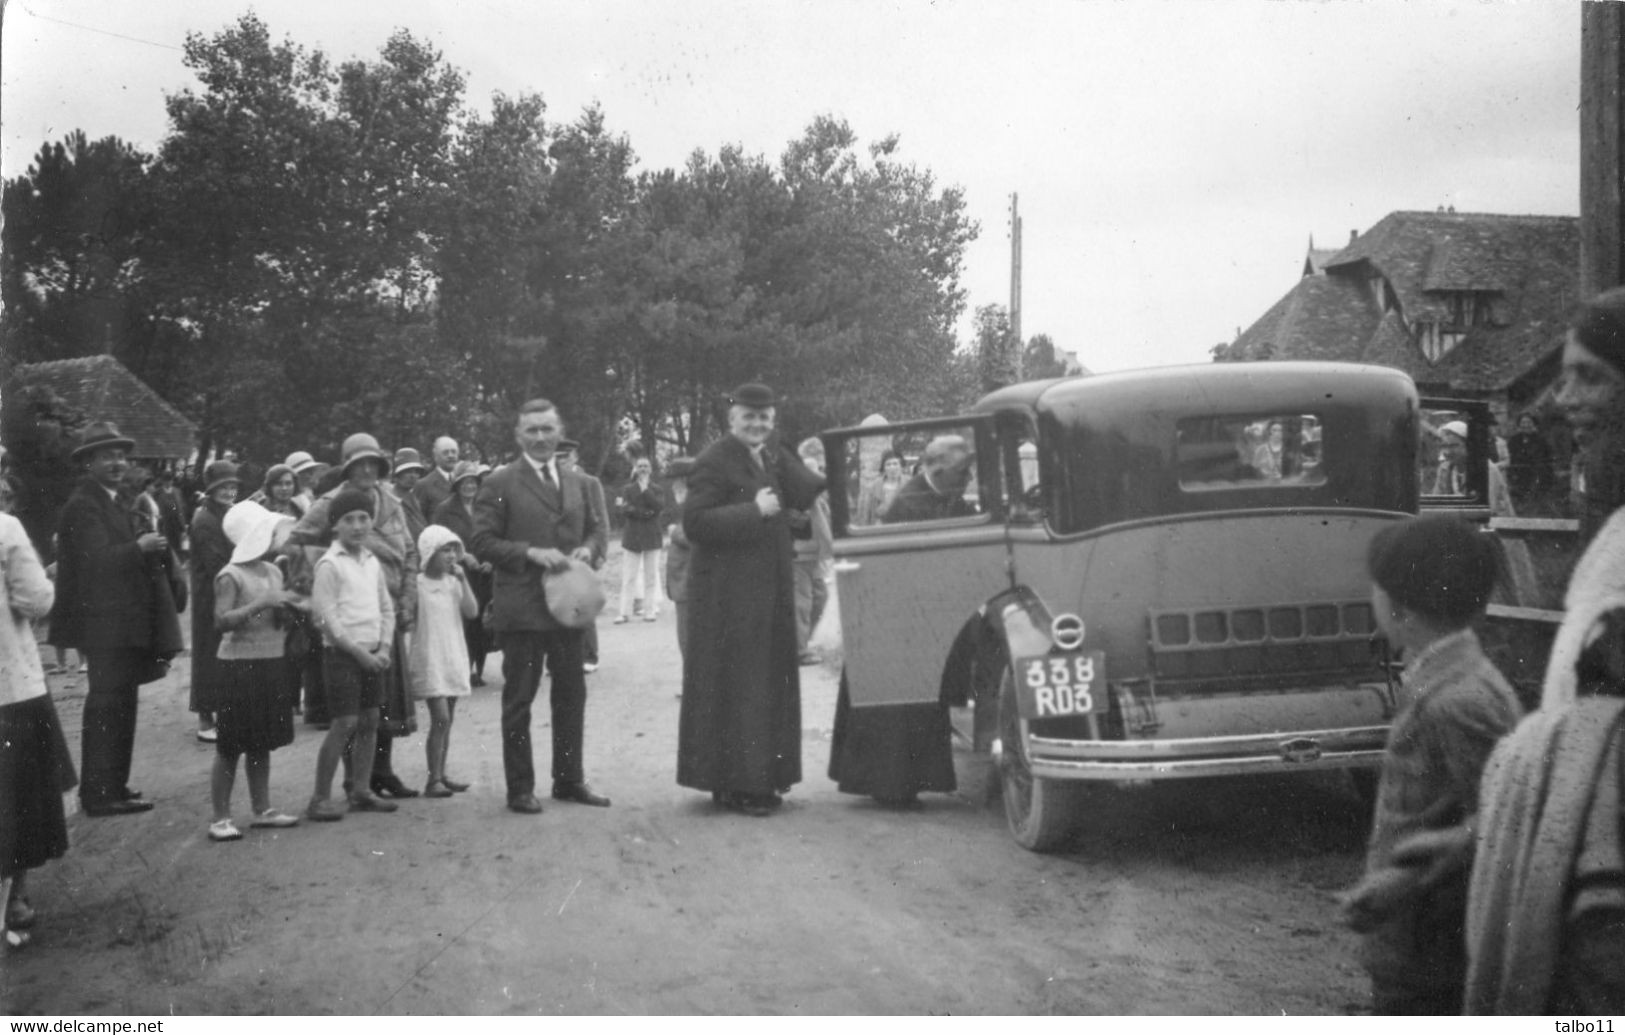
1053	686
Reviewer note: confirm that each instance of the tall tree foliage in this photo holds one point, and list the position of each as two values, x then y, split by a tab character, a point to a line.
321	247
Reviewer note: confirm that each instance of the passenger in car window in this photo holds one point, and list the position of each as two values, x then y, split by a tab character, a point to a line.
938	491
878	494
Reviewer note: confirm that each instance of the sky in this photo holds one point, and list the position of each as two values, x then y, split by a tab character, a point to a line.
1173	158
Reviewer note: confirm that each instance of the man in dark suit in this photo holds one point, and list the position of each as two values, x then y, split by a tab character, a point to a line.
531	517
114	604
434	488
569	454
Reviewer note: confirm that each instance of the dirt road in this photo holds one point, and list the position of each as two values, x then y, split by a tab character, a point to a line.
1201	899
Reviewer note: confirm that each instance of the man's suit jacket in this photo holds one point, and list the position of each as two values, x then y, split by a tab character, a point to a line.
109	594
432	490
515	511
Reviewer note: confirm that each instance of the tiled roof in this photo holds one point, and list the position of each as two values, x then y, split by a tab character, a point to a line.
1316	260
101	388
1526	268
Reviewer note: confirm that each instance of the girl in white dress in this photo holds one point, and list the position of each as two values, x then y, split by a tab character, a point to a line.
439	667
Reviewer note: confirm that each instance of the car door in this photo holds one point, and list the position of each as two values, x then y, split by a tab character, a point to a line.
909	576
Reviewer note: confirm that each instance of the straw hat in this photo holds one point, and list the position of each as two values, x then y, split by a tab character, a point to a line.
574	595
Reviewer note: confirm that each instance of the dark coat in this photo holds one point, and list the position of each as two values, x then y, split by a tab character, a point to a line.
109	595
600	507
211	552
918	501
891	751
642	508
740	725
432	490
515	511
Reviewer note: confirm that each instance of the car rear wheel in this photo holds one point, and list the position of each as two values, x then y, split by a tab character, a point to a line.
1042	814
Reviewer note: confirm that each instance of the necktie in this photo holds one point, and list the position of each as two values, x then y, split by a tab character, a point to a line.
547	474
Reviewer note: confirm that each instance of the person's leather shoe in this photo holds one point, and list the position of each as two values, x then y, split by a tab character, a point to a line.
391	787
118	807
525	803
370	803
129	795
579	793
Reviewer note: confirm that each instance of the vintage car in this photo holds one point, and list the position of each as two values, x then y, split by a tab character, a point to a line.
1147	575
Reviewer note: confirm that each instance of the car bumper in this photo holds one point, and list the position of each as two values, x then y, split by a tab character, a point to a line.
1167	759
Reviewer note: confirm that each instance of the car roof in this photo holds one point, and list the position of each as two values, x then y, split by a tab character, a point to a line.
1194	389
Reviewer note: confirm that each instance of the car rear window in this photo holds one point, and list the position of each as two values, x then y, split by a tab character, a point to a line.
1254	451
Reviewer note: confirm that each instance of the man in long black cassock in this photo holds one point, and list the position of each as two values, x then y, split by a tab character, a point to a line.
739	733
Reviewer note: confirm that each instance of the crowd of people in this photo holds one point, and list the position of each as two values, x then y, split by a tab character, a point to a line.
1494	880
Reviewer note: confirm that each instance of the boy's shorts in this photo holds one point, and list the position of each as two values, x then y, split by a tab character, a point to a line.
351	689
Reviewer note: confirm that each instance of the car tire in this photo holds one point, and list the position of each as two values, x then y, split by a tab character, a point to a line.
1042	814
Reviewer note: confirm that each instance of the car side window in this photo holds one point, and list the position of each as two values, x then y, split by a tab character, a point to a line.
907	477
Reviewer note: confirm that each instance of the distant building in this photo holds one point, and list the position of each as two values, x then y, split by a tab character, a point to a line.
102	388
1469	304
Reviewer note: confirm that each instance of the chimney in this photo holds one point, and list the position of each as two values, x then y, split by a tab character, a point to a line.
1353	235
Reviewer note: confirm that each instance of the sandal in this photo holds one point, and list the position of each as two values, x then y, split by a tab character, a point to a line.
454	785
437	789
224	830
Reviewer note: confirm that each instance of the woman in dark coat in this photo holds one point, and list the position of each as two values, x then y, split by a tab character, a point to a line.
211	551
1529	462
640	502
456	512
739	730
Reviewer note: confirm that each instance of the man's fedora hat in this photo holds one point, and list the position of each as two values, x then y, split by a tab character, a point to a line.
756	396
574	595
407	459
568	445
100	435
362	446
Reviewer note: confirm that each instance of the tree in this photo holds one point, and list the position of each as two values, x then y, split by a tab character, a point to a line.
1039	361
73	263
302	208
995	348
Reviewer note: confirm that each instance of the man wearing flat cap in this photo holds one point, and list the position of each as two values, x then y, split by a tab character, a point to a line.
739	730
532	518
113	604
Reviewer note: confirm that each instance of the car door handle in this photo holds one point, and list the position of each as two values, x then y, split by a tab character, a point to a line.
843	567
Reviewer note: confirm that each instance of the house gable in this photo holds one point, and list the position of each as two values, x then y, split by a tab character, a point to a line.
102	388
1471	301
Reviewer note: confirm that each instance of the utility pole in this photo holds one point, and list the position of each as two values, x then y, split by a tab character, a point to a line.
1015	282
1602	147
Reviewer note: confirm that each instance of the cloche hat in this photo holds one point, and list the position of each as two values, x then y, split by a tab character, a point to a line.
362	446
407	459
218	473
